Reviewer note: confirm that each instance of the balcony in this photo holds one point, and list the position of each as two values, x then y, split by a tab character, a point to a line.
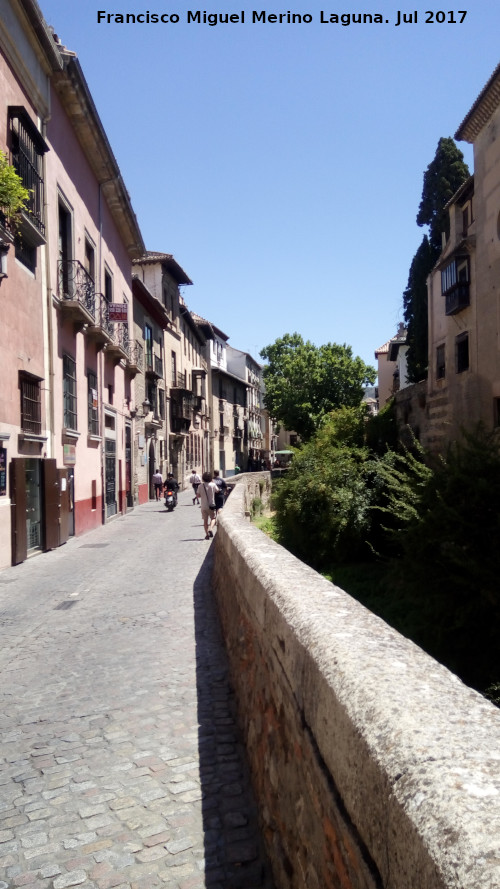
135	361
118	346
154	366
180	425
457	298
199	404
182	407
152	422
76	292
100	329
179	380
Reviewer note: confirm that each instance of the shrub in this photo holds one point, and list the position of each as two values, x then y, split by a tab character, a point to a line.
323	504
13	195
450	561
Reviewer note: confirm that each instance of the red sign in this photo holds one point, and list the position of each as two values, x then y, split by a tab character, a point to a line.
118	312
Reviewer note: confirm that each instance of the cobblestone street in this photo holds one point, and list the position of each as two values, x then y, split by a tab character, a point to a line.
120	759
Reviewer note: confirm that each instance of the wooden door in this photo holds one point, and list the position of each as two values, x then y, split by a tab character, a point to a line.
51	500
64	505
17	478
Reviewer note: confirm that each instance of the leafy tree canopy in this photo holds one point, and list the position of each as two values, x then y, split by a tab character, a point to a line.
444	175
304	382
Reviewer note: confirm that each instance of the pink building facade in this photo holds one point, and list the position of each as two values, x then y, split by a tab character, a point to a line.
66	430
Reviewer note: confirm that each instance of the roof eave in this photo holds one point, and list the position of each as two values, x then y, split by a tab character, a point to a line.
75	96
486	103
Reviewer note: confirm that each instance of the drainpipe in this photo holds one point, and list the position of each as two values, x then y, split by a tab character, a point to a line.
49	339
101	370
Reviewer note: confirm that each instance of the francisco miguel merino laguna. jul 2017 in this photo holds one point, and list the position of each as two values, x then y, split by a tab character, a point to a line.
290	18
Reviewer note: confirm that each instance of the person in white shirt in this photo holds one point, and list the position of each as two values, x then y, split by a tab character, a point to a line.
158	483
207	491
195	482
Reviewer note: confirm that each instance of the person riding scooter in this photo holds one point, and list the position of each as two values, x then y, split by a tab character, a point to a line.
170	484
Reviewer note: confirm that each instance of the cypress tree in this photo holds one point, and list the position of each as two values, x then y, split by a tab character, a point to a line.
443	177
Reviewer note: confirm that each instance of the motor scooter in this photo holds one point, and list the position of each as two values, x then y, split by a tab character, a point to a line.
170	499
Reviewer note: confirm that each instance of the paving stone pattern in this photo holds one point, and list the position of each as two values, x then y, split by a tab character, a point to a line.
121	764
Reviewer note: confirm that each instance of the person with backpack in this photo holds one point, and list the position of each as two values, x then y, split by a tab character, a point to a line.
221	493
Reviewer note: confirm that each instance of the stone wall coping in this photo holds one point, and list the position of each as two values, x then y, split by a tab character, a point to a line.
398	731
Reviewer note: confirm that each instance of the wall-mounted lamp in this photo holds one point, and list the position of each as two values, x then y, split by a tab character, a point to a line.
146	408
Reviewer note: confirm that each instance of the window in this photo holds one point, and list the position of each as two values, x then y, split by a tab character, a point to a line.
440	363
31	405
108	286
455	278
69	392
174	369
456	270
65	253
148	343
89	261
462	352
28	148
152	396
93	405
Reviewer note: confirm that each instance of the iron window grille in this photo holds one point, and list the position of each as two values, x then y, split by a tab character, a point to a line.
31	405
28	148
93	408
69	392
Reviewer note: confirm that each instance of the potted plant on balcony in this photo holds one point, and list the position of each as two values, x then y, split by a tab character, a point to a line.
13	198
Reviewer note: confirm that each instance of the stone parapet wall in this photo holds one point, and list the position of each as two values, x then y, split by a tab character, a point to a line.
374	766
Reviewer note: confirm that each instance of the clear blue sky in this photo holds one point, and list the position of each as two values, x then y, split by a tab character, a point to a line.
282	164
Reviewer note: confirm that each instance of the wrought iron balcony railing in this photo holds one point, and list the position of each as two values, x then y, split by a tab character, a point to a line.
120	337
75	284
457	298
179	380
158	366
136	354
102	314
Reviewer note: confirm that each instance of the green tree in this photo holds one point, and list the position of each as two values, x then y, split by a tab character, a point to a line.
442	178
444	175
323	503
303	382
415	311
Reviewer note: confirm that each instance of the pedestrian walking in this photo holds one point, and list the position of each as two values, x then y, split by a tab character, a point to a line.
207	491
195	482
158	483
221	492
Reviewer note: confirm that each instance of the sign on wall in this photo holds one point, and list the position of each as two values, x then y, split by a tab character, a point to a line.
118	312
69	454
